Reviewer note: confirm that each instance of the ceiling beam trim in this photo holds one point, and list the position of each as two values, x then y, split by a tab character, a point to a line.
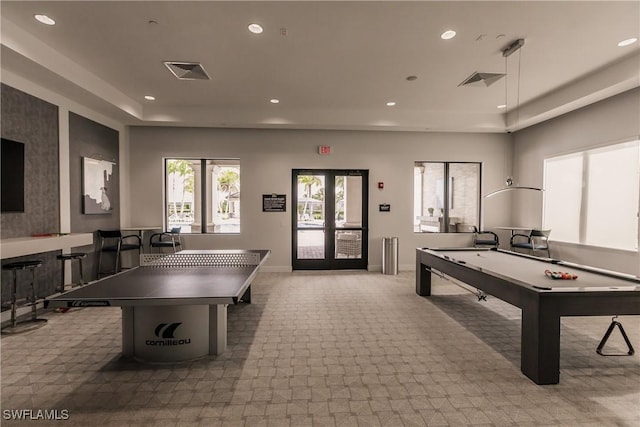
33	49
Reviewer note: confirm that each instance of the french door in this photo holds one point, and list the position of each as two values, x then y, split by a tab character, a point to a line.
329	219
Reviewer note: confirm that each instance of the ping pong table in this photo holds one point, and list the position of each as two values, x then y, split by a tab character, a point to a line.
174	306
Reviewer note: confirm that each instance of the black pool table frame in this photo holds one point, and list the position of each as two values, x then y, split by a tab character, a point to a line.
541	308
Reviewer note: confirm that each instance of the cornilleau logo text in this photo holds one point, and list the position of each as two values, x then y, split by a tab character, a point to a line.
166	331
90	304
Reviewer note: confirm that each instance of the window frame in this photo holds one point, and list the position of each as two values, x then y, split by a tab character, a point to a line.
205	190
447	195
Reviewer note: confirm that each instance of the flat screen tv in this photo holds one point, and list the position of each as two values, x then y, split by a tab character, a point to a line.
12	176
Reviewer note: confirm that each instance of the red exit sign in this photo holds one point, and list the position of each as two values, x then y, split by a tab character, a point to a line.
324	149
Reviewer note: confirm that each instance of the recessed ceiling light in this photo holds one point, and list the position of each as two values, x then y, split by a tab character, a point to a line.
44	19
274	101
449	34
502	106
627	42
255	28
150	98
391	104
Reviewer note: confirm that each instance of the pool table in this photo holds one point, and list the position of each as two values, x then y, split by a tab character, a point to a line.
520	280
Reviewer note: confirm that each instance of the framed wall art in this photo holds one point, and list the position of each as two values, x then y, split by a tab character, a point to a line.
97	190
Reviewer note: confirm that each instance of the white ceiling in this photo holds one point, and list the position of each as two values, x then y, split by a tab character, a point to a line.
336	67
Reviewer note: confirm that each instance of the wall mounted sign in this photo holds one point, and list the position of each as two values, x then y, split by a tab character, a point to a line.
274	203
384	207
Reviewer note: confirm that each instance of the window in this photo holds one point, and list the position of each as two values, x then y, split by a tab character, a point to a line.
194	198
591	197
446	196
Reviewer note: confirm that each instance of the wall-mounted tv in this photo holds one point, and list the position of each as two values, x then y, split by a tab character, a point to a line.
12	176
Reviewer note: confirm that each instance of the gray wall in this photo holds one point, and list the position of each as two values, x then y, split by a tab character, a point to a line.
90	139
34	123
606	122
268	156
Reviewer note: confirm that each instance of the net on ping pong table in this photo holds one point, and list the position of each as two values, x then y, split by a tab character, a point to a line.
196	258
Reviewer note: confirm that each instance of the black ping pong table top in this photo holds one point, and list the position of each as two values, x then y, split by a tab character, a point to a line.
183	285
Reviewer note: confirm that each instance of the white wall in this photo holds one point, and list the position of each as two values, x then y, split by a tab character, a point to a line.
268	156
606	122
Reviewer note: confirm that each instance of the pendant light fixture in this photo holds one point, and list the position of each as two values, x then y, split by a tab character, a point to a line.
506	52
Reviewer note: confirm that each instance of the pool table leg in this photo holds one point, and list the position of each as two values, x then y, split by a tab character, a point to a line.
540	348
423	279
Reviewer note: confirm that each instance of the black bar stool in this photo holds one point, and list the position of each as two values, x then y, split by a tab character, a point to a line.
34	322
72	257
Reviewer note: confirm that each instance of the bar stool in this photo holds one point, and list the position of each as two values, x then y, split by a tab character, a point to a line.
72	257
34	322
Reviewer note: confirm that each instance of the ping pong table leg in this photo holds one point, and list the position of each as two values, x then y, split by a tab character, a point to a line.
217	328
128	346
246	297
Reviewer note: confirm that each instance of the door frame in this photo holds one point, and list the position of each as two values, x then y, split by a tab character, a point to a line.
330	262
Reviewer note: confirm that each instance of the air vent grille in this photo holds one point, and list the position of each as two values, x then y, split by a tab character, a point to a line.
187	70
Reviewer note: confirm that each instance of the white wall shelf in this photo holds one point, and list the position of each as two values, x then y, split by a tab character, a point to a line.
28	245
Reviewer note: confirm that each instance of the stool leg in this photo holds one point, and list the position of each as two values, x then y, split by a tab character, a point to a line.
117	261
62	281
99	262
81	272
33	295
14	290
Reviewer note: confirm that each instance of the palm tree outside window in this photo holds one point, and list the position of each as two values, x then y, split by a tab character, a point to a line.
203	195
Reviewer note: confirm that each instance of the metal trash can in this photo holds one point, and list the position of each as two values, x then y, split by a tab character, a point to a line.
389	255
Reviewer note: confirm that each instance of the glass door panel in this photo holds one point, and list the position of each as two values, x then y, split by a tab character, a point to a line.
348	216
310	210
348	201
348	244
310	244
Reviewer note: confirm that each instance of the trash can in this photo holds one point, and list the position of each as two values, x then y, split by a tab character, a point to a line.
389	255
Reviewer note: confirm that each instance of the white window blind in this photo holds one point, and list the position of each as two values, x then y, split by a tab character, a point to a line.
592	197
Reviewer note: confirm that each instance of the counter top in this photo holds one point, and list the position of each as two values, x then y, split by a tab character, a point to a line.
28	245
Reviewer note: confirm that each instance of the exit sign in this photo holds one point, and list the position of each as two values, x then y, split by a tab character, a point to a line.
324	149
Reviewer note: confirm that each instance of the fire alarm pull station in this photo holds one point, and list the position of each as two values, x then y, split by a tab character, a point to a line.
324	149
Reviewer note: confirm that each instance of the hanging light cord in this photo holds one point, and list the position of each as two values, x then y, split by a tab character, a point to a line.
507	170
506	52
518	87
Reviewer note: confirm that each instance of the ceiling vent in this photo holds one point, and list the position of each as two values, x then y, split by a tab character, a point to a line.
187	70
478	79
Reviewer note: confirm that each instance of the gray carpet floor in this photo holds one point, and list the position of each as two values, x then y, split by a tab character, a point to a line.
327	349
